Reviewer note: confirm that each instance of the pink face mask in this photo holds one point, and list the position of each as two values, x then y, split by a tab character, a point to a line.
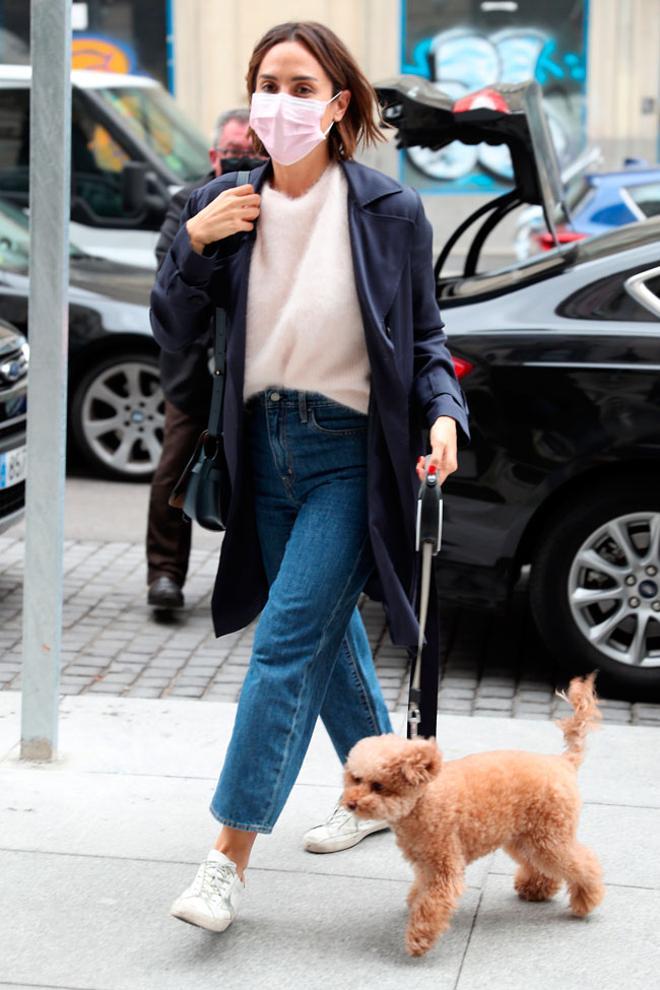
289	127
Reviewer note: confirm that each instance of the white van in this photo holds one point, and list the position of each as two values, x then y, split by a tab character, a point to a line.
131	148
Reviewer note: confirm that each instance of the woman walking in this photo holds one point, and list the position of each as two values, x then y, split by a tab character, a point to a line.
337	376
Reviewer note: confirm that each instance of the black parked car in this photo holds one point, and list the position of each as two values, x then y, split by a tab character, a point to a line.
13	407
116	408
560	361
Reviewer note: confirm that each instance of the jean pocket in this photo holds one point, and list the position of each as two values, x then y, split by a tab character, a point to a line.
338	420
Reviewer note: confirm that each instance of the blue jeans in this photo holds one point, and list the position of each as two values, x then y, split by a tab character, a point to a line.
311	655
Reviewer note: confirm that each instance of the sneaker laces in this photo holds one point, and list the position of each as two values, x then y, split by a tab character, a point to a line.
215	879
339	816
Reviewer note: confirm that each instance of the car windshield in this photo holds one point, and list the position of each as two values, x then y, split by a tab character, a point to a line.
153	116
15	238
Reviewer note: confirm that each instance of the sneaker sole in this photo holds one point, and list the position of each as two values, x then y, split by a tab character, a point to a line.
199	924
346	842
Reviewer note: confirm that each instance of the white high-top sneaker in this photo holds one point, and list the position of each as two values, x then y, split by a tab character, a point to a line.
212	899
341	831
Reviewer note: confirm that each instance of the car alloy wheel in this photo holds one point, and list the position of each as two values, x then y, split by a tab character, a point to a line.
121	417
614	589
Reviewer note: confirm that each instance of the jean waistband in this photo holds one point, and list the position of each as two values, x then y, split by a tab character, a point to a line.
291	397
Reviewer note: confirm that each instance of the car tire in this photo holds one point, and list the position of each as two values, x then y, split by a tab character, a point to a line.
118	415
595	588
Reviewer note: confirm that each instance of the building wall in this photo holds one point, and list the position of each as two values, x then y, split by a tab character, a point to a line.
214	40
623	83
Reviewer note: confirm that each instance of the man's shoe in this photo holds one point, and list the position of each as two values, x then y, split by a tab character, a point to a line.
165	593
212	899
341	831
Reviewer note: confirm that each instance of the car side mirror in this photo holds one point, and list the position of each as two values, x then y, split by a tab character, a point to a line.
134	187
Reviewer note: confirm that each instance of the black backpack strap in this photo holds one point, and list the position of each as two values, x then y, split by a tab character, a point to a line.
219	353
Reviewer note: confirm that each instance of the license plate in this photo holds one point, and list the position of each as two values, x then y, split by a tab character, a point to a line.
12	467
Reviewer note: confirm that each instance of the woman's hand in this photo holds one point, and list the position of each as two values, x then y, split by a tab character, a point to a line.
233	211
443	449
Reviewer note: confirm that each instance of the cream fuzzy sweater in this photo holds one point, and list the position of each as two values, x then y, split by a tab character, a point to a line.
304	325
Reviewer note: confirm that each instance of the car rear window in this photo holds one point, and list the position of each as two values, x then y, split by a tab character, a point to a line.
608	299
647	198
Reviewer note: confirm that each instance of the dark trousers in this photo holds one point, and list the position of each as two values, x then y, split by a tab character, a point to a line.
168	536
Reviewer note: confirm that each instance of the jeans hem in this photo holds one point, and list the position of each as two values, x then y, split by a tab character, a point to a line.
264	829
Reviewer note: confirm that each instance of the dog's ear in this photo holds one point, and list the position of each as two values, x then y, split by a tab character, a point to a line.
421	761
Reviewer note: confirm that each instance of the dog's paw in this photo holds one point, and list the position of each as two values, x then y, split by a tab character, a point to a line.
536	887
417	944
584	899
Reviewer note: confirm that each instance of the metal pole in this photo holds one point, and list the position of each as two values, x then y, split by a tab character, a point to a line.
50	169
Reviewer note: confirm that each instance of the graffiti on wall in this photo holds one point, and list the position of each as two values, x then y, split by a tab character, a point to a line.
469	56
102	54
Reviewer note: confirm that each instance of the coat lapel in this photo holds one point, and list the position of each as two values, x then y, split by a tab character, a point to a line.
380	241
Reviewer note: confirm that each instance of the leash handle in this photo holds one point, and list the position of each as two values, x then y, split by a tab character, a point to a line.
429	512
428	540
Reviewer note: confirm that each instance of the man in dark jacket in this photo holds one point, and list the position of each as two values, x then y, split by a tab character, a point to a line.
186	383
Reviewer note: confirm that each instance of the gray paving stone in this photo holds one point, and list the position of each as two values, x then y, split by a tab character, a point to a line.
109	624
450	681
224	693
312	940
615	703
456	692
495	691
493	704
229	677
516	945
617	715
101	687
540	707
538	695
457	706
186	691
646	711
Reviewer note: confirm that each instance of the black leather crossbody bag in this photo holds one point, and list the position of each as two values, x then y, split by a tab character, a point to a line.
203	490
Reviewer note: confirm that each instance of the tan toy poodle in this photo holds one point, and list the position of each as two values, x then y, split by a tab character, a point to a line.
445	815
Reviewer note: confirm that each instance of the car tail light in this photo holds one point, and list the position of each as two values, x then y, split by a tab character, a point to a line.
462	367
564	236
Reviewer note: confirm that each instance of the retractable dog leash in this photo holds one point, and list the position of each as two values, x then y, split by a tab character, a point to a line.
428	538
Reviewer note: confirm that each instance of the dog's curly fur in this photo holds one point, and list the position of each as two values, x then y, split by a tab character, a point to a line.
445	815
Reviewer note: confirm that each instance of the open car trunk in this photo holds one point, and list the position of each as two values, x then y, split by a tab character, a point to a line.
509	114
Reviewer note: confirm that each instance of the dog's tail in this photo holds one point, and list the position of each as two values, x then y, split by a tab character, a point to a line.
586	714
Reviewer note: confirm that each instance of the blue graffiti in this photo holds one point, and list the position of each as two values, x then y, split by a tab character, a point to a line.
420	65
548	64
461	59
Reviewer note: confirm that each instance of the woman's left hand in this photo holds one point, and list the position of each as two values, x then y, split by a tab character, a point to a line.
443	449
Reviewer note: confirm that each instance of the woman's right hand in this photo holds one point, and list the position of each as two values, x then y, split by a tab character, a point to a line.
233	211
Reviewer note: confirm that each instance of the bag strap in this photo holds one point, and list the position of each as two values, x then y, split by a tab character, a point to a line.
219	353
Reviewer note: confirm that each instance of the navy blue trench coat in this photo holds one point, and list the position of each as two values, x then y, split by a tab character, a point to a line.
412	379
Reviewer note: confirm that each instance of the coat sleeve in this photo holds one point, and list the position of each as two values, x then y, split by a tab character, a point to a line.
435	386
188	285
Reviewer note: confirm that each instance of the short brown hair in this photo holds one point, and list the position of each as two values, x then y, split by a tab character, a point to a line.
358	125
